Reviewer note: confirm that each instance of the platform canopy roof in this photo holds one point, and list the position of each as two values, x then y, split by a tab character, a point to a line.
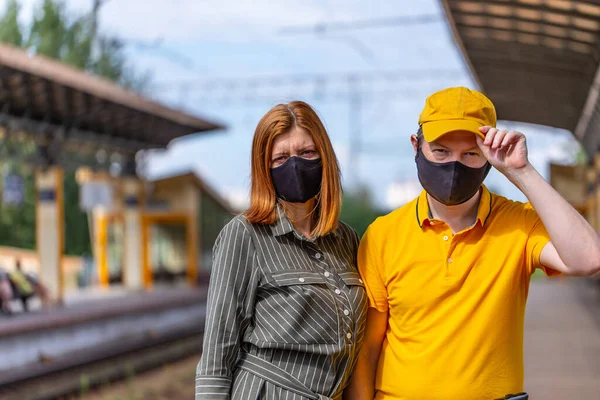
48	98
537	60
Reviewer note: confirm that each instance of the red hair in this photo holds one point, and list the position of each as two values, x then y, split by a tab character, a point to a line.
279	120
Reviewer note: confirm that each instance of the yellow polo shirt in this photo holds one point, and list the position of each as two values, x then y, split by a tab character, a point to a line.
456	302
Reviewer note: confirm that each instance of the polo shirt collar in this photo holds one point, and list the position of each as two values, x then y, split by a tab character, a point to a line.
484	209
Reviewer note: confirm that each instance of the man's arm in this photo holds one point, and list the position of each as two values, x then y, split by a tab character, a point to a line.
362	383
575	246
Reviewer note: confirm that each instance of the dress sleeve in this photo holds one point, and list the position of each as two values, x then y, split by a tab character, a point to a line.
229	309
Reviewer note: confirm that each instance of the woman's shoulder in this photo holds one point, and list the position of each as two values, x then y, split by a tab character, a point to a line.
237	226
346	231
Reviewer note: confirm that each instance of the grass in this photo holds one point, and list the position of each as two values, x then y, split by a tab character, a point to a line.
170	382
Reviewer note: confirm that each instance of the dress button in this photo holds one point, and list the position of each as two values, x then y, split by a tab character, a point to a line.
301	280
346	312
338	291
318	256
449	260
445	237
326	274
349	335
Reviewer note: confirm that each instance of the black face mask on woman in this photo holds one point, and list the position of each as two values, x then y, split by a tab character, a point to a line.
450	183
297	180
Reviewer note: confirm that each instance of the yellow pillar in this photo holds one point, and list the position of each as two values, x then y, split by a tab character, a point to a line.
133	233
192	249
50	228
99	226
101	246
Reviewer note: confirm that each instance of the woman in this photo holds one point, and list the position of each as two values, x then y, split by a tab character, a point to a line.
286	306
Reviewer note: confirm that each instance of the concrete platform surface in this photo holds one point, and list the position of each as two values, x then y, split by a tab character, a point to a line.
562	340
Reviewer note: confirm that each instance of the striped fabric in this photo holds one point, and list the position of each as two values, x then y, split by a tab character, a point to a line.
294	305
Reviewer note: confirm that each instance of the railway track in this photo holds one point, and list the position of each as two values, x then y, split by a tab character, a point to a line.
76	374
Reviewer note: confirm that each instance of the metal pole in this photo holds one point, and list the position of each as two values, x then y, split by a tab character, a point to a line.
355	122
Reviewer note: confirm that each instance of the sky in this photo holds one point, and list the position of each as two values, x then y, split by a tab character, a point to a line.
204	57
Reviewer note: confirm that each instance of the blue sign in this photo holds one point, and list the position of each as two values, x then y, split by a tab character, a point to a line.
13	189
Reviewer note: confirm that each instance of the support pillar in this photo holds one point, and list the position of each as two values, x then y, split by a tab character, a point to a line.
101	246
591	178
98	213
134	264
49	228
192	248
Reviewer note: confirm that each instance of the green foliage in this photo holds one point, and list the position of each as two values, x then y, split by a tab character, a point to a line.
77	238
84	385
10	30
17	222
48	30
359	210
56	33
78	45
580	157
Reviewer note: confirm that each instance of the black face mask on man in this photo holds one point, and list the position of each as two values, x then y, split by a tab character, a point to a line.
298	179
450	183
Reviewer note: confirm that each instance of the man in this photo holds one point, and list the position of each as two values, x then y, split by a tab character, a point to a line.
447	275
27	285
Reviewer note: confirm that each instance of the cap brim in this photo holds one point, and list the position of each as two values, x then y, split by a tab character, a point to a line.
434	130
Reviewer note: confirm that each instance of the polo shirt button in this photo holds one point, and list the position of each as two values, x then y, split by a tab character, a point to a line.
449	260
326	274
346	312
349	335
338	291
445	237
318	256
301	280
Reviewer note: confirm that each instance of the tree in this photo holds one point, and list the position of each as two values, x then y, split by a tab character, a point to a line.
53	35
75	40
359	210
10	31
49	30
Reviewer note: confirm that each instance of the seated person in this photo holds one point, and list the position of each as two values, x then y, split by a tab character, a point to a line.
27	285
22	287
6	292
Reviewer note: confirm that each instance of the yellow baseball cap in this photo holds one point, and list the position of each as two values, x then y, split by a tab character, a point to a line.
456	109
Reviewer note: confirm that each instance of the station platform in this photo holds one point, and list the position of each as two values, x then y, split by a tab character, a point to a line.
562	339
93	322
562	332
98	303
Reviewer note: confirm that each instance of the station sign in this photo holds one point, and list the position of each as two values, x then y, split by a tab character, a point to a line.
96	194
13	189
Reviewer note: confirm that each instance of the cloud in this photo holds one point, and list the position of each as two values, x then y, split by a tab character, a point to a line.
185	20
238	198
400	193
342	152
191	20
560	153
